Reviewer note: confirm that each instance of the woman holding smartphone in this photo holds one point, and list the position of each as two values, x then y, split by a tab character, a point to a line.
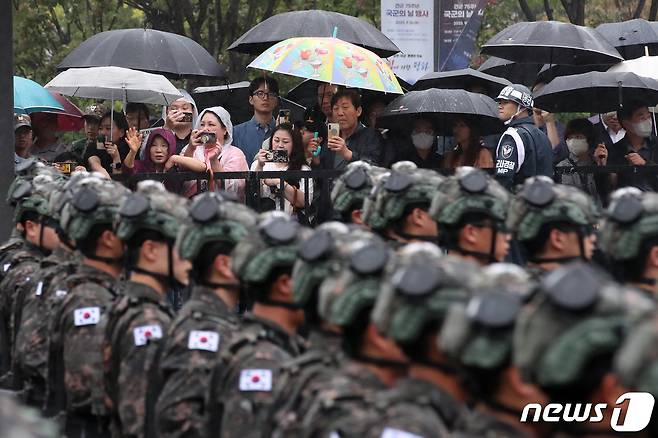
286	152
211	143
111	147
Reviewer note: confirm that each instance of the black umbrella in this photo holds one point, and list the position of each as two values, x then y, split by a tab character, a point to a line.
514	72
551	42
631	37
305	93
149	50
549	72
314	23
443	107
235	99
465	79
596	92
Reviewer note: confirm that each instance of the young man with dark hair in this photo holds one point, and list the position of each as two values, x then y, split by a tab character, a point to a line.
137	115
355	141
264	98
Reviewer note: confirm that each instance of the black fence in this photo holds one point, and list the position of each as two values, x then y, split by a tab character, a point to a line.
318	208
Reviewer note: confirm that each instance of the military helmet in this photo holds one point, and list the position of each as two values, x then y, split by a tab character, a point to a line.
214	219
91	201
478	333
352	187
418	289
577	314
317	257
355	279
636	362
541	201
517	93
393	192
631	219
469	190
273	245
33	195
150	207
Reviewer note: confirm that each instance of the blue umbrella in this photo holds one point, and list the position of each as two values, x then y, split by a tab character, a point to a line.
30	97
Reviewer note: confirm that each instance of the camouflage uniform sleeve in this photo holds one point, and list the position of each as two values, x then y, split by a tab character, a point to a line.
247	390
186	370
138	354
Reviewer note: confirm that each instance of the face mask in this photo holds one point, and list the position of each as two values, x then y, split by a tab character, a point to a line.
577	146
643	129
422	140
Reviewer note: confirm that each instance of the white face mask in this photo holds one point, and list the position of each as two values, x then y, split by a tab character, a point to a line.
643	129
577	146
422	140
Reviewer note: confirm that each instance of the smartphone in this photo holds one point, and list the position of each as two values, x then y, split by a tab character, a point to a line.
334	129
187	118
100	142
64	167
284	116
318	150
277	156
208	137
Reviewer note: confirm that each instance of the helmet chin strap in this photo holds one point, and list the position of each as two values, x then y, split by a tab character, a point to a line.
518	111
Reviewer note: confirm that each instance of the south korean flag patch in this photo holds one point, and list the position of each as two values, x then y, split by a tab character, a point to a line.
256	380
86	316
203	340
145	333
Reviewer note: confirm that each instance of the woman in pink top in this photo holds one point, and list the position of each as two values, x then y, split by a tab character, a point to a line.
219	155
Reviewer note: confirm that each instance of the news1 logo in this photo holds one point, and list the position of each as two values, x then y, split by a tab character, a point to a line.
638	413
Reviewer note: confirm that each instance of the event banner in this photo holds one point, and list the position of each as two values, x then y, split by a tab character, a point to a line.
458	29
410	25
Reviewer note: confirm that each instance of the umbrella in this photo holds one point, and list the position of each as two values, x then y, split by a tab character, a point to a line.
329	60
517	73
549	72
596	92
551	42
631	38
30	97
443	107
147	50
115	83
314	23
71	119
305	93
234	98
645	66
465	79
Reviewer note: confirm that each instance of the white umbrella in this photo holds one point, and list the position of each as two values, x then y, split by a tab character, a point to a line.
115	83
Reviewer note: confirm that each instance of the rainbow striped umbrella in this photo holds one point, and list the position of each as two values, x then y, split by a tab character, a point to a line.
329	60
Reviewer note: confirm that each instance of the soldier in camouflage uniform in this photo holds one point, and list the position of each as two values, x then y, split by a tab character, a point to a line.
242	382
397	207
75	378
148	222
629	238
32	315
471	208
417	293
40	238
636	363
346	405
351	189
554	223
566	337
19	422
320	256
478	335
208	319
